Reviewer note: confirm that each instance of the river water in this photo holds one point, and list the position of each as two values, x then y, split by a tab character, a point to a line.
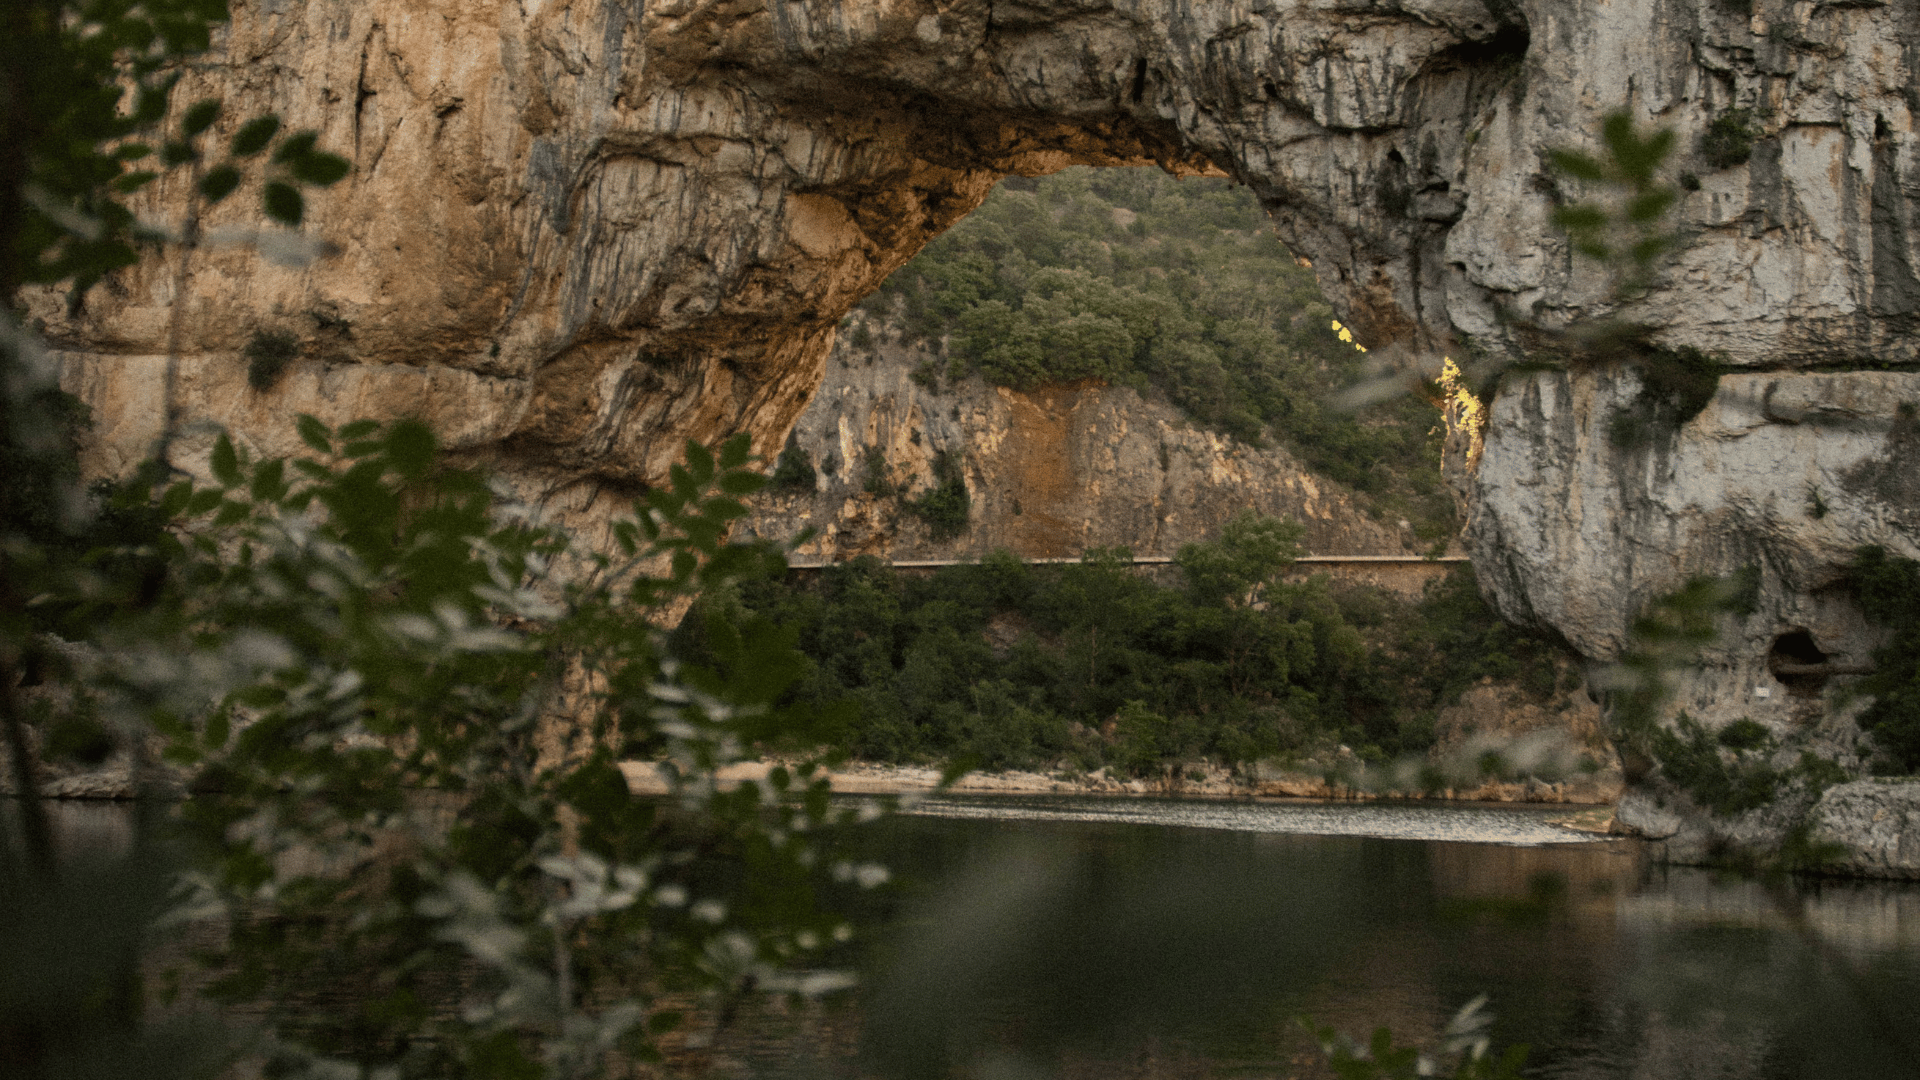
1158	939
1061	937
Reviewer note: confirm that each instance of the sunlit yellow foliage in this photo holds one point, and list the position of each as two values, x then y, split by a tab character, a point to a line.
1346	335
1465	413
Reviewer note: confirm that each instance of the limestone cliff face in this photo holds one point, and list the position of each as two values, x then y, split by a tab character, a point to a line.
579	232
1784	475
1049	473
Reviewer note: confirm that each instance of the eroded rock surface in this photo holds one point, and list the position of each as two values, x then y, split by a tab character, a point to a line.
578	233
646	222
1049	473
1783	476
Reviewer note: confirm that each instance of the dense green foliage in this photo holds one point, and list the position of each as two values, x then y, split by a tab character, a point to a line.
1132	276
794	469
84	87
1732	772
1887	588
1093	664
1720	775
329	634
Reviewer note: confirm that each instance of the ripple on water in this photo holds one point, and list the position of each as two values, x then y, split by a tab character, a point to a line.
1520	827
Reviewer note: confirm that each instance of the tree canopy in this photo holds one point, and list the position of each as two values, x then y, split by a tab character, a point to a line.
1176	287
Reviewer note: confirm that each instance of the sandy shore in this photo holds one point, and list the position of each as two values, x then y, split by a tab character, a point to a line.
863	778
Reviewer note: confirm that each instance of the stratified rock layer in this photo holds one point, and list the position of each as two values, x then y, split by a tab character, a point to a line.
1049	472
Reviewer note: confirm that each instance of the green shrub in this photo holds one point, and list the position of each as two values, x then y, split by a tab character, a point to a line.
1692	759
945	506
1681	380
1820	773
1745	734
1675	386
1455	639
268	353
1887	588
1800	853
1728	140
794	470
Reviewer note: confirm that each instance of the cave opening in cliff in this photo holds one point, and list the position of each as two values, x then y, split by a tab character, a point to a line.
1798	663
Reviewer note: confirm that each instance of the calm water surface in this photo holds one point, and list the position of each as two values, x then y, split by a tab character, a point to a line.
1159	939
1060	937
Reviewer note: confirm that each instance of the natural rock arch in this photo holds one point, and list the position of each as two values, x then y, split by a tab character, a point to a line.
579	232
614	228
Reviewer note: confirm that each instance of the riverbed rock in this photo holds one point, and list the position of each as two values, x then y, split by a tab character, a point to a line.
1641	813
1874	827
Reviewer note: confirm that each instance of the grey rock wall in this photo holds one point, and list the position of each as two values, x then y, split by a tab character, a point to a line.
579	232
1783	474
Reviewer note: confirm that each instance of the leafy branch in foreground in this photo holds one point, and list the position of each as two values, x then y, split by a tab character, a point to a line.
414	758
84	87
1630	233
400	703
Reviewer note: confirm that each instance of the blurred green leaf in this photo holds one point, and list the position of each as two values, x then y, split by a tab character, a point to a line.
283	203
199	117
254	135
742	483
736	451
127	183
295	147
319	169
411	448
201	502
314	433
1579	165
219	182
699	464
224	462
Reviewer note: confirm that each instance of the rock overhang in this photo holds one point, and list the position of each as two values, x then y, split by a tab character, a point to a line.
636	226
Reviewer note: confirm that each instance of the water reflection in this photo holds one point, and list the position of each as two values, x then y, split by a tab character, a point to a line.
1059	940
1160	939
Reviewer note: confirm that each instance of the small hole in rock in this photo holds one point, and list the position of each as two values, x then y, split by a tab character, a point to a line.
1798	663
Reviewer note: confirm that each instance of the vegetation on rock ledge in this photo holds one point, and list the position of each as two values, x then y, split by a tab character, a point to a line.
1133	277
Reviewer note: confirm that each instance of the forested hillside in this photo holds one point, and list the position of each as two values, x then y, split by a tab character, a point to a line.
1090	665
1134	277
